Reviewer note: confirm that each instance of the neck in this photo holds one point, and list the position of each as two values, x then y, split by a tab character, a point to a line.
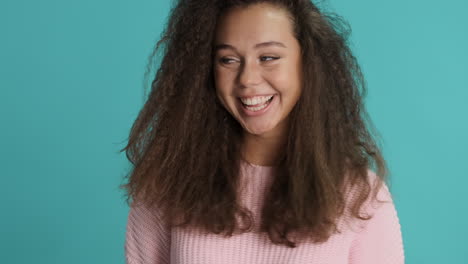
265	149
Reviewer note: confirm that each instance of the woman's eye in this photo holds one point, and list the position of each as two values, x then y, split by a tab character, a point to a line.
262	58
268	58
226	60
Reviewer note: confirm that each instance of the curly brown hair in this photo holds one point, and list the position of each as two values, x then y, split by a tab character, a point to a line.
185	146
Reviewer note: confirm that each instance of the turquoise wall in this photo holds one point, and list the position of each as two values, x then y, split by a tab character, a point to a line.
71	84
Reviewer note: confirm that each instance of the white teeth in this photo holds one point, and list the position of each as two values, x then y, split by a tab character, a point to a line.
257	108
256	100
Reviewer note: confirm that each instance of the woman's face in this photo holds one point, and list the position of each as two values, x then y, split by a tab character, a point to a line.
256	56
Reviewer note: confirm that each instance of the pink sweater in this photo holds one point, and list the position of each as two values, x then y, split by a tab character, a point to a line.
148	240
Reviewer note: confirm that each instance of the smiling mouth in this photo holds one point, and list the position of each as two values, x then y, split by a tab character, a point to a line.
258	107
259	104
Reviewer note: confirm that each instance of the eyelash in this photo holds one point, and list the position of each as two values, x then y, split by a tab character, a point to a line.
223	60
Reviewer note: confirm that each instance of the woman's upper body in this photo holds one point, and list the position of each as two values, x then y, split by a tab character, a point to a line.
272	82
375	241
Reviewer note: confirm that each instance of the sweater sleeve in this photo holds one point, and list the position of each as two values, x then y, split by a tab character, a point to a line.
380	240
147	239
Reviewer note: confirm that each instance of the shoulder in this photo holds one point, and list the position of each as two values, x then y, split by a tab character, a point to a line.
377	210
378	239
147	236
367	197
375	185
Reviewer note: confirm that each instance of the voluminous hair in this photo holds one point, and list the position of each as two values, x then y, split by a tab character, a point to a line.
185	146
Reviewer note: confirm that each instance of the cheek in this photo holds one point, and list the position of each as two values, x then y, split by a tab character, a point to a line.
221	88
280	81
221	92
223	82
289	80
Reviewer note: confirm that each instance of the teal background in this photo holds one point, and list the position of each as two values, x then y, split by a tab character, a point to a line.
71	80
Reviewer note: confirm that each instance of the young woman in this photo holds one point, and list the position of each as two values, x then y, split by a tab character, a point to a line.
253	145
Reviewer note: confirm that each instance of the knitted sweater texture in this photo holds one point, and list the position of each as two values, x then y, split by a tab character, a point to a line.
376	241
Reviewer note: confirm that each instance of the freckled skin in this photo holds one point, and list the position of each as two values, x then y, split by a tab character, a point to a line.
246	70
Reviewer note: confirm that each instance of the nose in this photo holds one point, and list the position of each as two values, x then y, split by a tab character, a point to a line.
250	74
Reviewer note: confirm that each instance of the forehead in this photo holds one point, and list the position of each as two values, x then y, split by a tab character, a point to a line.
253	24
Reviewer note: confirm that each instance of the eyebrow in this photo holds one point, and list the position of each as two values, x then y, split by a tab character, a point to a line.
259	45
